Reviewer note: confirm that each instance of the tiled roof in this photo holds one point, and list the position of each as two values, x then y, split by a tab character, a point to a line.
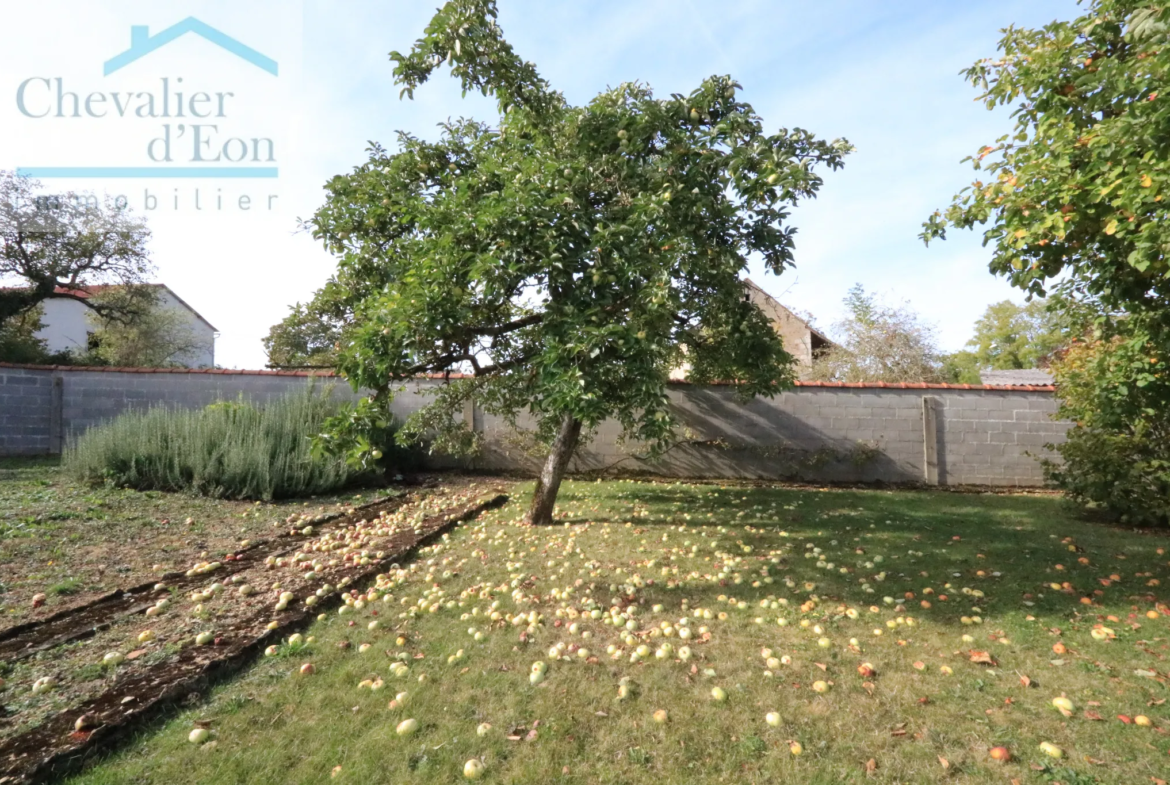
1022	376
774	303
84	293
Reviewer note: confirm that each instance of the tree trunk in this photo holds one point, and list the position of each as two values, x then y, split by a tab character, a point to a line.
544	497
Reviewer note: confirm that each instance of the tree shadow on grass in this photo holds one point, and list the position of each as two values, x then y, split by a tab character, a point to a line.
1011	548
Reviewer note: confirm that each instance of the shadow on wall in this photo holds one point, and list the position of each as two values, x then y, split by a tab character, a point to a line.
940	443
720	437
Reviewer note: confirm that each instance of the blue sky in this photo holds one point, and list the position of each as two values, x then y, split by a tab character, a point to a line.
885	75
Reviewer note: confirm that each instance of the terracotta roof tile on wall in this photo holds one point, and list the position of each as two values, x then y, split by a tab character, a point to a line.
327	372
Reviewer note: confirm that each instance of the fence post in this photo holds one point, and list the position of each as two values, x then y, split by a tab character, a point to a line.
56	420
930	439
469	421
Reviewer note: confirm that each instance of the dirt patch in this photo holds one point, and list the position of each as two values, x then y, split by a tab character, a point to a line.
76	544
242	628
71	650
85	620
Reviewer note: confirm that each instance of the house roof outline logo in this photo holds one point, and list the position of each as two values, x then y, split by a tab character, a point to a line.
143	43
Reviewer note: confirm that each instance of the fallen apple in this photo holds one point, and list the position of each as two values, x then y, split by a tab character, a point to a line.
1051	750
661	716
204	638
483	729
407	727
1001	754
473	769
198	736
307	669
820	687
772	718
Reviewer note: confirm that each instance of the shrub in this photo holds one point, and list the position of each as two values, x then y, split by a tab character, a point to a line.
1116	390
227	450
1125	475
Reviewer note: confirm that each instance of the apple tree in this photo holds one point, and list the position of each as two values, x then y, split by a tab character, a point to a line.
1074	200
560	262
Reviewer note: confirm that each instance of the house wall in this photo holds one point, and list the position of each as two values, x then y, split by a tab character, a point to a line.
793	331
796	337
204	356
938	435
66	327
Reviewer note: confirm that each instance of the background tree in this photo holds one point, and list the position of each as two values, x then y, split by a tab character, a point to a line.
53	245
563	258
1010	336
961	367
155	337
308	337
879	343
19	343
1074	199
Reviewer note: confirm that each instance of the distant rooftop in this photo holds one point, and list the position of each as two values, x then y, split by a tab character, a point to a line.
85	292
1025	376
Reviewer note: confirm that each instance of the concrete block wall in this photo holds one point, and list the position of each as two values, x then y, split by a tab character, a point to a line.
825	434
26	412
91	397
822	433
994	437
29	413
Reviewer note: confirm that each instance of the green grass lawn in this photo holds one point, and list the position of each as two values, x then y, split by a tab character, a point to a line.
774	590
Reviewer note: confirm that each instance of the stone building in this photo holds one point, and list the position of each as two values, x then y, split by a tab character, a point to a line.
800	338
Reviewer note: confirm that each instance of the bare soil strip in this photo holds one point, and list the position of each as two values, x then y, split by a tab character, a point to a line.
83	621
55	747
